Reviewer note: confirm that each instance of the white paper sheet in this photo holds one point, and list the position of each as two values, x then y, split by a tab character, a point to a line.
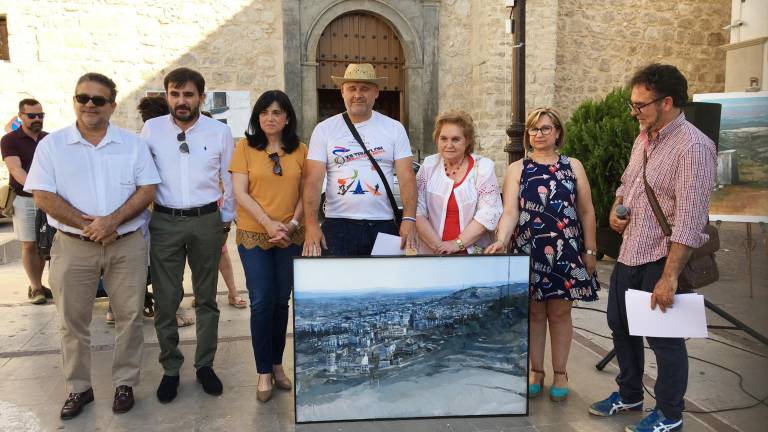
686	318
387	244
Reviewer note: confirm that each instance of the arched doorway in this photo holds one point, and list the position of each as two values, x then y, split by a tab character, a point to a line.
359	37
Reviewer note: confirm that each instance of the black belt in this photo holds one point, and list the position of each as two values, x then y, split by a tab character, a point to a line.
85	238
361	222
187	212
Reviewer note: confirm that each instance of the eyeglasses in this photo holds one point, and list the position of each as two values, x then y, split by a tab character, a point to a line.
639	106
97	100
182	138
33	116
276	169
545	130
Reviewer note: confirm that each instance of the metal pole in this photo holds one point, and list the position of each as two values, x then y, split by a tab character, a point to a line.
516	129
749	246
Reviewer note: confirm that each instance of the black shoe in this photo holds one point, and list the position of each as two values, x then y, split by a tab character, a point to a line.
123	399
211	383
167	390
47	292
74	404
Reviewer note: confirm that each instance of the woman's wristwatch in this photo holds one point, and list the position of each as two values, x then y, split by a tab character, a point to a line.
295	224
460	244
590	252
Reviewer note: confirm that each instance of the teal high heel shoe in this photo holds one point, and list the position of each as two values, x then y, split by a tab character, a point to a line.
534	390
558	394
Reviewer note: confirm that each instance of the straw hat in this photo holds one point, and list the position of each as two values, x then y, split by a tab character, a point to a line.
362	72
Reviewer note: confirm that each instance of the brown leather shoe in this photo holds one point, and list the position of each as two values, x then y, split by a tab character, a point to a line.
263	395
74	404
123	399
283	384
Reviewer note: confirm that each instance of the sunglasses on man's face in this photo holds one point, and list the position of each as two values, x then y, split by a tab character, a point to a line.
99	101
276	169
182	138
33	116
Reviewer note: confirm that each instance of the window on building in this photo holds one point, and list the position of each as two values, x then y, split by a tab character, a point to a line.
4	51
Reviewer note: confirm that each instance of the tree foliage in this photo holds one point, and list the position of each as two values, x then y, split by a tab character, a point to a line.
600	134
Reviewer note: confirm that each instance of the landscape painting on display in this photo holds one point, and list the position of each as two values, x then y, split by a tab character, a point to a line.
410	337
742	171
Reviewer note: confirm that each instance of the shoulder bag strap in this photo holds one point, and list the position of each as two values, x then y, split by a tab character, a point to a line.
663	223
375	164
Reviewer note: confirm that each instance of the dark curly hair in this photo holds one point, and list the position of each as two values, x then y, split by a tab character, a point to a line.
664	80
152	106
257	138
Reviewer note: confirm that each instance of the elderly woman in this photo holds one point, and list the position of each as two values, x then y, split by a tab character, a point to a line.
459	201
266	176
548	215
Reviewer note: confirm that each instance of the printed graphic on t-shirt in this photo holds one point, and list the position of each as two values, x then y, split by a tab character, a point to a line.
351	182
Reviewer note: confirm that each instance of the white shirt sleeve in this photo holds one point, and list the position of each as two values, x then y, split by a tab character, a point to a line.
422	178
402	144
42	173
318	150
228	207
489	206
145	171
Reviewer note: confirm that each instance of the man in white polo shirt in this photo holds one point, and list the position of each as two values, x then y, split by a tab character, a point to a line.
94	180
192	153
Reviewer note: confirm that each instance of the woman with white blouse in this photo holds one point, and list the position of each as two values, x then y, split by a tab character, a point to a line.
459	201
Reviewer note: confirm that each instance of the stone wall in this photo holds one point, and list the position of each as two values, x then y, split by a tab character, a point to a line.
237	45
599	47
475	70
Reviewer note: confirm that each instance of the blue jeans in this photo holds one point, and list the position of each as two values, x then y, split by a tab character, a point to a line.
269	279
671	354
350	237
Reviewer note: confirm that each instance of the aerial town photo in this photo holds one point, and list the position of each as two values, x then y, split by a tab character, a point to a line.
407	341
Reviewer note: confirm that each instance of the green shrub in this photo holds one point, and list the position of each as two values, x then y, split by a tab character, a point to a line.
600	134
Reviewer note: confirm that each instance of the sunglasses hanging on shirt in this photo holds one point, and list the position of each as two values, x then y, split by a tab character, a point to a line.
276	169
182	139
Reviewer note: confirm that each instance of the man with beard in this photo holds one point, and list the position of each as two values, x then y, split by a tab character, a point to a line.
192	153
678	163
18	148
94	180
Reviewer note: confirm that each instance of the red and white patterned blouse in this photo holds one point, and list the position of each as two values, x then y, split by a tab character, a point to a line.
681	171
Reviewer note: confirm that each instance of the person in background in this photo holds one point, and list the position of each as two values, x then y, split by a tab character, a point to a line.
18	149
548	214
266	171
459	200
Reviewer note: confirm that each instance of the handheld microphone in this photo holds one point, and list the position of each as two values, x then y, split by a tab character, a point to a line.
621	212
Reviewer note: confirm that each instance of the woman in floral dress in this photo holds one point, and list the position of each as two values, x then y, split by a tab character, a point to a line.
548	214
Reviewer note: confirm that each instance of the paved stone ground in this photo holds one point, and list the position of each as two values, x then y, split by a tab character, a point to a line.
32	388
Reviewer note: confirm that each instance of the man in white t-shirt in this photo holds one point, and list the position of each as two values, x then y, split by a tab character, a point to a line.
357	207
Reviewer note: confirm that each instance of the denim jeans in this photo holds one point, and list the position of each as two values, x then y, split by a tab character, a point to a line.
350	237
269	279
671	354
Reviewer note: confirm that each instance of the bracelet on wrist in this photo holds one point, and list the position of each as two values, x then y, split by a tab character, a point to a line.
408	218
295	223
590	252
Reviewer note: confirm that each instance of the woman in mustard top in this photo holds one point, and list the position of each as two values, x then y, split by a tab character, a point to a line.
266	177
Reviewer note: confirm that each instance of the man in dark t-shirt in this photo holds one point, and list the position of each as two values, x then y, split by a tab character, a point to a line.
18	149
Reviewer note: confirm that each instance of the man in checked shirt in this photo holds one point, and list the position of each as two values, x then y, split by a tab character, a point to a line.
681	171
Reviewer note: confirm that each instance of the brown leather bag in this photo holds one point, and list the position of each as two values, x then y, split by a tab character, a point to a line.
701	268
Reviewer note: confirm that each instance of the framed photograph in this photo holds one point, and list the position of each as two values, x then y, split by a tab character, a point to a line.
410	337
742	161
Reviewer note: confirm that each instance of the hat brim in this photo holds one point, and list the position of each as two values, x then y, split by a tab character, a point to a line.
341	80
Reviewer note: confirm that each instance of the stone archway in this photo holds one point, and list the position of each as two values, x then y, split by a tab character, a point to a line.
360	38
419	49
